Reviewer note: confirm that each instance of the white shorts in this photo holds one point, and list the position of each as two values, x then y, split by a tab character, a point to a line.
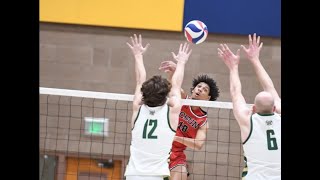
144	178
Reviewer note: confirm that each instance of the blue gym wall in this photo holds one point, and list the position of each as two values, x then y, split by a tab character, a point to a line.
241	17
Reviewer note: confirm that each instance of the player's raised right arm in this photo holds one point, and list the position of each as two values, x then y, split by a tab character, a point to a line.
177	77
252	53
240	109
176	82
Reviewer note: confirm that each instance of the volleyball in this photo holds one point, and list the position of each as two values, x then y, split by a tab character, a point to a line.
196	31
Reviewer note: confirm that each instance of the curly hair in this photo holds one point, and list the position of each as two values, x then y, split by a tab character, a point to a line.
214	89
155	91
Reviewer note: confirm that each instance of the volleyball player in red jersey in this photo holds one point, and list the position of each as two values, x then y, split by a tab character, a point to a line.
193	125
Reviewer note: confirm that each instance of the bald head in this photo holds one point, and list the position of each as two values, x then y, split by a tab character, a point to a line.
264	102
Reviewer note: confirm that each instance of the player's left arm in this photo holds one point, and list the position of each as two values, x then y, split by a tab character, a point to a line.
196	143
176	81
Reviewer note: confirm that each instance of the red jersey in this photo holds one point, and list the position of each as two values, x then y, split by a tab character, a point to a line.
189	123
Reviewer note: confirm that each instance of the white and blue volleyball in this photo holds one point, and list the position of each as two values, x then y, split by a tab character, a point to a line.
196	31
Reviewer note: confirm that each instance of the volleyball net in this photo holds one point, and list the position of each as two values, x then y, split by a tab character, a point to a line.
86	135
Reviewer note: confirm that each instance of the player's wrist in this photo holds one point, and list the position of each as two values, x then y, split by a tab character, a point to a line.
182	62
254	59
137	55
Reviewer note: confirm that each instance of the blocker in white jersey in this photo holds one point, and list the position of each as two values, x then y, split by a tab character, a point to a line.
155	115
260	127
153	132
262	148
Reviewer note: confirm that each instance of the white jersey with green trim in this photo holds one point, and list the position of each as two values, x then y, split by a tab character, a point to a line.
151	142
262	148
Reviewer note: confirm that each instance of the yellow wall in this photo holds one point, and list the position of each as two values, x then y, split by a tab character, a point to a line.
144	14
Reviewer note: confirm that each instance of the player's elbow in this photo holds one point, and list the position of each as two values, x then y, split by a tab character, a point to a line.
175	91
235	95
141	78
140	81
233	92
199	145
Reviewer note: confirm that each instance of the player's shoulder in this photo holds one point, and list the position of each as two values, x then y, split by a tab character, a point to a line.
279	115
203	112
